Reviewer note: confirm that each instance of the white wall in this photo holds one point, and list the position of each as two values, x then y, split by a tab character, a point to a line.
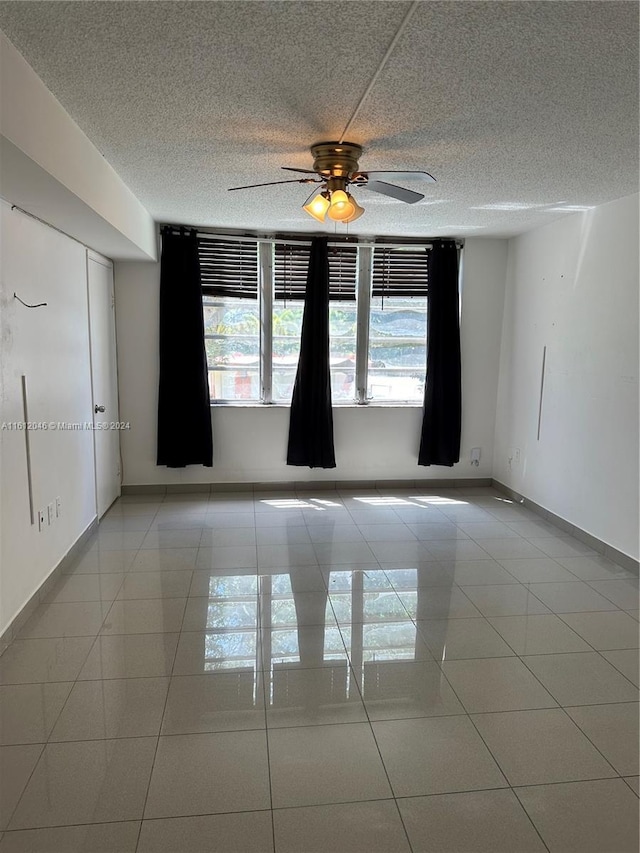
572	286
50	346
250	443
52	169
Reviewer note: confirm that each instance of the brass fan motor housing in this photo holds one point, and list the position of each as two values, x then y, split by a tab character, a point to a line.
336	159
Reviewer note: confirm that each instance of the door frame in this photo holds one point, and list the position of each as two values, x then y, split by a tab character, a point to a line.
92	255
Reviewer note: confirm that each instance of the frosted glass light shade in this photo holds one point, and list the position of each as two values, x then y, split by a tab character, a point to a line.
341	207
358	210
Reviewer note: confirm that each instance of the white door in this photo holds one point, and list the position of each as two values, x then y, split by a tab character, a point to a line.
104	380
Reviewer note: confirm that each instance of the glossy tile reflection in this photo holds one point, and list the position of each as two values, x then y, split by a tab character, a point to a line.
216	702
332	670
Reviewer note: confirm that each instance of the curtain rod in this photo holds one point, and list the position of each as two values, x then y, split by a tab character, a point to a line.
335	240
48	224
302	239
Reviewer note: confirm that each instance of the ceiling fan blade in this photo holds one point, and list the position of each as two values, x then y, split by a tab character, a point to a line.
401	176
272	183
392	190
303	171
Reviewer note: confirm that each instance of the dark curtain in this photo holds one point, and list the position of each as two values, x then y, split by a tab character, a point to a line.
311	419
441	425
184	414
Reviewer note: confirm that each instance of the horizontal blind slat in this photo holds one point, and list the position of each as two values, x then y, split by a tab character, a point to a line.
400	272
291	264
228	268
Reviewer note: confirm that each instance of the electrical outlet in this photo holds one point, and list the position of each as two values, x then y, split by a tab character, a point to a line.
475	456
513	457
51	513
41	520
58	507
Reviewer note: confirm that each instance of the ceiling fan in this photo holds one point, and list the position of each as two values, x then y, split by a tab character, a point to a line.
335	168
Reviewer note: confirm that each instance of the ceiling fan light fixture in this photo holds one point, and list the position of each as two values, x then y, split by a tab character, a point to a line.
341	207
336	167
317	205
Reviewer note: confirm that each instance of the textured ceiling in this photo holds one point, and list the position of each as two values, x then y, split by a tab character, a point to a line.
521	110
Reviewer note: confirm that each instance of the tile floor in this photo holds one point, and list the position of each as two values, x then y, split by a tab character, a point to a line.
325	671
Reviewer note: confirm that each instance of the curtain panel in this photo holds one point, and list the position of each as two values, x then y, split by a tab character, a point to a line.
442	419
184	413
311	418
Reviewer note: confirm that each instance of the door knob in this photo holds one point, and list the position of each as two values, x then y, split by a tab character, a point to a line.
97	408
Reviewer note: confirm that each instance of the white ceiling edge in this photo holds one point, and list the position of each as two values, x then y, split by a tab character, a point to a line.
51	168
31	188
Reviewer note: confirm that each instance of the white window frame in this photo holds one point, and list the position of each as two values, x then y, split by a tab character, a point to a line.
365	277
265	296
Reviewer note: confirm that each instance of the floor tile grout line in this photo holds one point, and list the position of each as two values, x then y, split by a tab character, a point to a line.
454	693
155	754
601	653
530	819
517	655
268	751
375	740
463	791
571	782
555	707
327	724
339	625
395	799
560	615
560	704
137	551
626	779
593	648
545	653
47	741
144	820
586	735
551	613
623	580
468	715
495	760
485	620
26	785
615	608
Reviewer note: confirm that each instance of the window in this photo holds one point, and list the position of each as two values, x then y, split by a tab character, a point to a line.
398	324
229	271
343	322
253	300
290	277
290	262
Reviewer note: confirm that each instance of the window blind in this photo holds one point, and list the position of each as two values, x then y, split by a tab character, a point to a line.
400	271
228	267
291	262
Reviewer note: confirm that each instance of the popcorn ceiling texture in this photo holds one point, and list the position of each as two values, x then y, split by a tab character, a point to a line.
518	108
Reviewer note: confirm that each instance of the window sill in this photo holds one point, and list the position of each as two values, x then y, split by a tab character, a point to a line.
252	404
